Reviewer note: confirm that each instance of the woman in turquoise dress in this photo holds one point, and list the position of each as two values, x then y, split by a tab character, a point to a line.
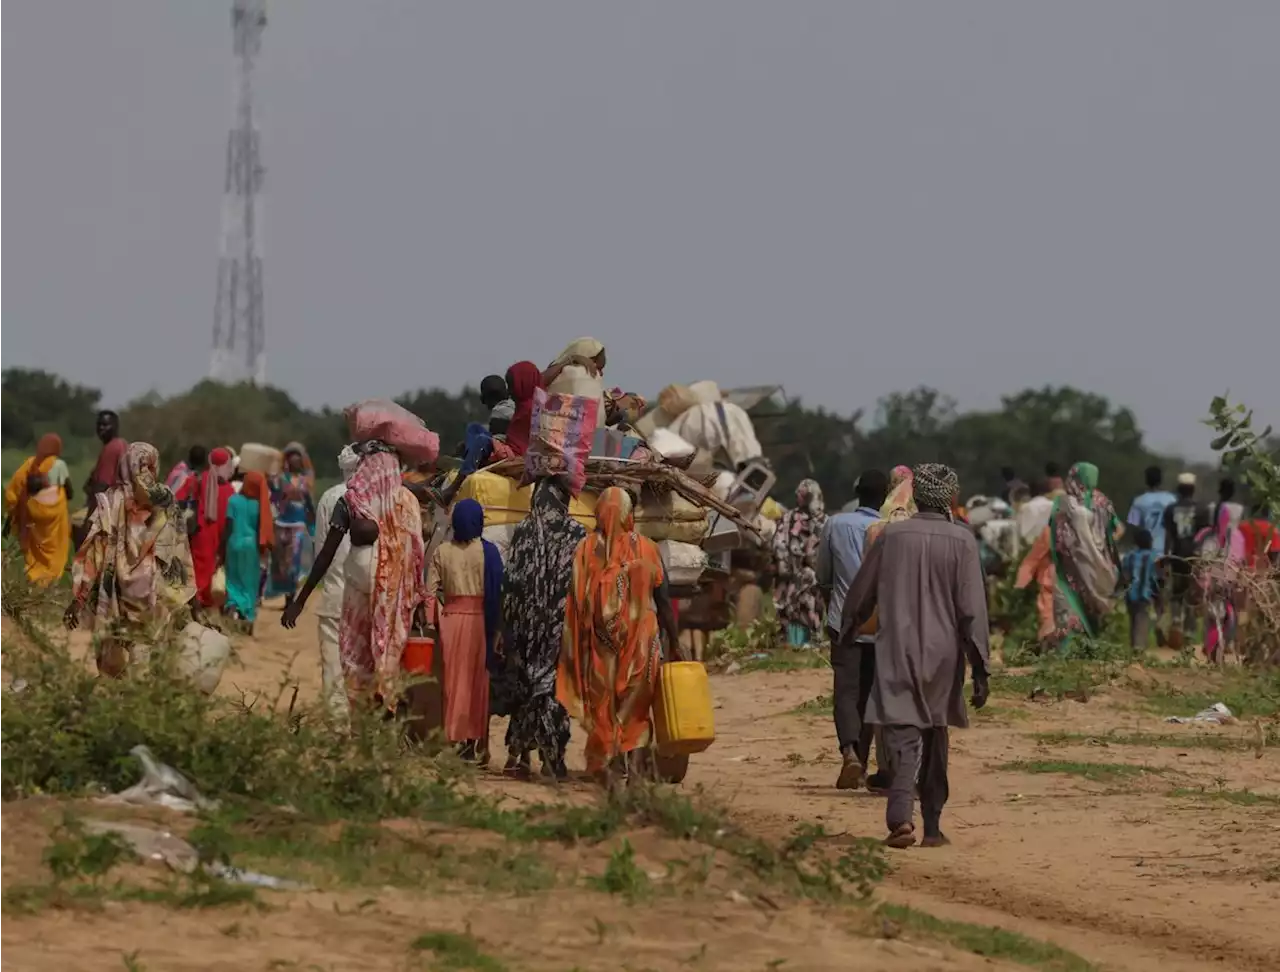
295	516
248	535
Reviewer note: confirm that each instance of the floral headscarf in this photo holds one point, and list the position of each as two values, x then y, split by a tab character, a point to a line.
900	504
134	566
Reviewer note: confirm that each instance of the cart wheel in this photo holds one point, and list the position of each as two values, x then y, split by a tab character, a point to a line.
671	769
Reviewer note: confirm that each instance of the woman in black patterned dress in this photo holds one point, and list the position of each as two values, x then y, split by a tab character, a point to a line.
539	566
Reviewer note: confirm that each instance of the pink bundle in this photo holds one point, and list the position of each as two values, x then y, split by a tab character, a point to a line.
560	436
395	425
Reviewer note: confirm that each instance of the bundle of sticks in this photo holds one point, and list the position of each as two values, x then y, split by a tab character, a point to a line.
603	473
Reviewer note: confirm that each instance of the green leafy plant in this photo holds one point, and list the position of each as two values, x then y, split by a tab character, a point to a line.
75	854
460	952
622	875
1252	453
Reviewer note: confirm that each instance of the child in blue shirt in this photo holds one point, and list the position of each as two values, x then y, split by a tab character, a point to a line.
1141	572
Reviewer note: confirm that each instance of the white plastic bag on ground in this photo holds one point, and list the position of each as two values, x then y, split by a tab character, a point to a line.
1216	714
175	853
161	785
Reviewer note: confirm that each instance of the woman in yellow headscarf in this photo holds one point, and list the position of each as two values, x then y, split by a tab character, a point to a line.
617	603
36	499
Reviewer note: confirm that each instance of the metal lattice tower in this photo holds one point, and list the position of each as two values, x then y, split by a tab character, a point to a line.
239	324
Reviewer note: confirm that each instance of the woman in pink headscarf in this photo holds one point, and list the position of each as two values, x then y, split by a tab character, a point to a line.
1222	554
204	498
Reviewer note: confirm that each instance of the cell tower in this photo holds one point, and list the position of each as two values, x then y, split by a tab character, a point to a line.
239	324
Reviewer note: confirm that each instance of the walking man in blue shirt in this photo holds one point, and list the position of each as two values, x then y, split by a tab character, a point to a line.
840	554
1147	513
1140	575
1148	508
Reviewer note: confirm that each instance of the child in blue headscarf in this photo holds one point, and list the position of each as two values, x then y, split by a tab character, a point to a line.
464	597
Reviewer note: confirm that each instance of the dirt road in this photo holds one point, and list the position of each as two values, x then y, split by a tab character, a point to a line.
1115	869
1097	826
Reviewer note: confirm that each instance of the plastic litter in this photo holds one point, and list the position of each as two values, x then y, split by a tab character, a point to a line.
178	855
150	844
161	785
256	878
1217	714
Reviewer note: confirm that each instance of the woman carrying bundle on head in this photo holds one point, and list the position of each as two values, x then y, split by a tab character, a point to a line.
36	502
249	535
383	573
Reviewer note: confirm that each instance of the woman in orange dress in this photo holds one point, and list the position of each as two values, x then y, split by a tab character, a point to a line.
37	498
618	600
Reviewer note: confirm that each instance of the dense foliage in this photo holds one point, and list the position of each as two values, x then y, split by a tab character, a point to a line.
1030	428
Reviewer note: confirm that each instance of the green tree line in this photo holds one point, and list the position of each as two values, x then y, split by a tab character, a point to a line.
1029	429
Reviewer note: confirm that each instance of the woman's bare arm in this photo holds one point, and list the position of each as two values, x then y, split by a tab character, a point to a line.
667	620
318	569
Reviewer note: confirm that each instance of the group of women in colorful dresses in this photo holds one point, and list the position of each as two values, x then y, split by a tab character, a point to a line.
568	627
566	624
235	528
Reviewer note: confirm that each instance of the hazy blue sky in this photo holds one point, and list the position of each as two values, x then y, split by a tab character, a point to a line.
845	197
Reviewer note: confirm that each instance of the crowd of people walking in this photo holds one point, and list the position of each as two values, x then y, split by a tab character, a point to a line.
568	624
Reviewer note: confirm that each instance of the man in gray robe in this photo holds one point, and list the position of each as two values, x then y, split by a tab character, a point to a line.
926	579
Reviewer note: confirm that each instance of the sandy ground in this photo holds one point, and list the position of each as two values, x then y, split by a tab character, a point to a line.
1121	872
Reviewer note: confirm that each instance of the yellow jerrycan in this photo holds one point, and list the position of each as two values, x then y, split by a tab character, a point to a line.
682	710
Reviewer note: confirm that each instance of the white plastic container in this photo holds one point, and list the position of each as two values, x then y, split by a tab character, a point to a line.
204	656
256	457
